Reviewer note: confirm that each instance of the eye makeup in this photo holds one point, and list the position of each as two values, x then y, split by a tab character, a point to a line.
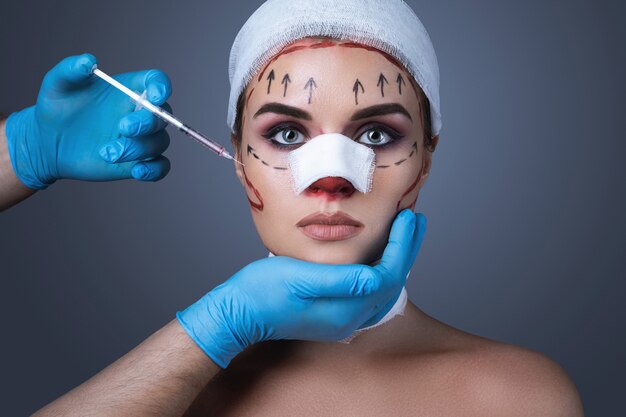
393	135
281	127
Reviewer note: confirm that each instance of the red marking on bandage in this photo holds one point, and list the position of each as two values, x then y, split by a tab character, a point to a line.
389	58
324	44
411	188
258	206
281	53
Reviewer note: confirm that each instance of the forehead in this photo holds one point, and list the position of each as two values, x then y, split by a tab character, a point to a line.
304	49
337	69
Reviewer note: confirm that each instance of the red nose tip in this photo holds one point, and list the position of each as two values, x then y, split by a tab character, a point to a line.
334	186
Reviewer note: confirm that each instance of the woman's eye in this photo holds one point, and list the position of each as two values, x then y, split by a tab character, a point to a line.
288	137
375	137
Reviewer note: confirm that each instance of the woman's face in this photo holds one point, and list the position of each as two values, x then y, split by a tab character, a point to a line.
315	87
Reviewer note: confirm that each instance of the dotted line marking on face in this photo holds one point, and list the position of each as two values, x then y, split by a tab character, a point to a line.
260	205
401	161
252	152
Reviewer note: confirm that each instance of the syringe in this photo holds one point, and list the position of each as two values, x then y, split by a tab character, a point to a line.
168	117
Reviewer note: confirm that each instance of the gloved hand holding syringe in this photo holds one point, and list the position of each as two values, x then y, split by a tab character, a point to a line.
164	115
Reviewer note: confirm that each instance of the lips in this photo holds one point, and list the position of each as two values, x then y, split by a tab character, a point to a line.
330	226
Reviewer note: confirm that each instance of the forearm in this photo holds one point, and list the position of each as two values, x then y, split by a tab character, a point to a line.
12	190
160	377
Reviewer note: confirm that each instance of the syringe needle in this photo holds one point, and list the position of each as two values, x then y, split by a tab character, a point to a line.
229	156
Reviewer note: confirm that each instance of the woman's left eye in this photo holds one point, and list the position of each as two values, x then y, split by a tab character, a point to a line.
376	137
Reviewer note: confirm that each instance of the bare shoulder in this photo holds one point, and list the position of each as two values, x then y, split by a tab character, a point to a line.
503	379
485	377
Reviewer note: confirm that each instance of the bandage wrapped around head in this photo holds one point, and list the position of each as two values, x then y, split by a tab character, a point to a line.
390	26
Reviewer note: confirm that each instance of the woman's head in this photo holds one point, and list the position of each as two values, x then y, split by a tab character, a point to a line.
319	85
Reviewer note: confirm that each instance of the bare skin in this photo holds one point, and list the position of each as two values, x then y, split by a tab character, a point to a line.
12	190
160	377
412	365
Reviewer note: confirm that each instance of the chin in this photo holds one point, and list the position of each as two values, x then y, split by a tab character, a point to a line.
344	252
334	257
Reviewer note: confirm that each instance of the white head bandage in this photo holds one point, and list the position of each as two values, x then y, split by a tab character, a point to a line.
387	25
332	155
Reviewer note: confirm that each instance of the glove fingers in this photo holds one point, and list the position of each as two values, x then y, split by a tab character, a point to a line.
418	236
400	251
156	83
135	149
151	170
142	122
311	280
70	73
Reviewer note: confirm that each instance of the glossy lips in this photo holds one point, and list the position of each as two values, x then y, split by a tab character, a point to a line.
330	226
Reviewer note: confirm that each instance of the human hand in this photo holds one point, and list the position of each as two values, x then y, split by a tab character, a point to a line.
82	128
285	298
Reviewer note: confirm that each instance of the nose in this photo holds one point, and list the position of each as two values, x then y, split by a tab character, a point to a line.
334	186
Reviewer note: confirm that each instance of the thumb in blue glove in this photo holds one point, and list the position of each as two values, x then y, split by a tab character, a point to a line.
285	298
82	128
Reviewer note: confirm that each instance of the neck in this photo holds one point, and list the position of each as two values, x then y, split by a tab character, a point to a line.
402	332
393	308
398	337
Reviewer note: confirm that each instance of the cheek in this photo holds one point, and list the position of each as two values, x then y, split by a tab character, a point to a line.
255	198
266	178
393	191
408	198
397	177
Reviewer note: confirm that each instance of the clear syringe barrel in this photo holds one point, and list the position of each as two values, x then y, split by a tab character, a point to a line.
199	137
163	114
203	140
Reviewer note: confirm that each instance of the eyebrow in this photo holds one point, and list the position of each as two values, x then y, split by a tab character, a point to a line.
376	110
283	109
380	110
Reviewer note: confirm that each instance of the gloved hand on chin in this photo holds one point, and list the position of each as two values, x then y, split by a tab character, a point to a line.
284	298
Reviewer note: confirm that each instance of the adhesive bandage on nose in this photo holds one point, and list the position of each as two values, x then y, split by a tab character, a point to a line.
332	155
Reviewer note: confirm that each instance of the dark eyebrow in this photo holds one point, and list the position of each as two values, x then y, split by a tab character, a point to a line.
283	109
380	110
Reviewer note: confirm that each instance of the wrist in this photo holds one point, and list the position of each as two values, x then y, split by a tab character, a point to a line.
206	323
12	190
25	150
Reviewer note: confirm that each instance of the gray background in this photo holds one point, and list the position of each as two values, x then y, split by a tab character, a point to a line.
525	240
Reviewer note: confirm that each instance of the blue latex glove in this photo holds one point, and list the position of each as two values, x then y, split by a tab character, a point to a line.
82	128
284	298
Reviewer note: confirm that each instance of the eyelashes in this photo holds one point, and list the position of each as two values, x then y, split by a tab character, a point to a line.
272	133
370	135
278	138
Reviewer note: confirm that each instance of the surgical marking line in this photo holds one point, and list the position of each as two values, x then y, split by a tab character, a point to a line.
399	162
251	151
328	44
